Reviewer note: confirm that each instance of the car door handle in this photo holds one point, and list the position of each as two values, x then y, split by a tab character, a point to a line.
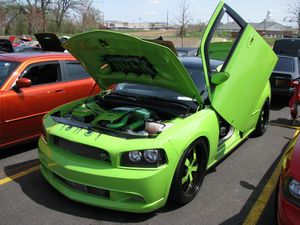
56	91
252	38
59	90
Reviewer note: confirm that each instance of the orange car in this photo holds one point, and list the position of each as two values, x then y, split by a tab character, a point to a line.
31	84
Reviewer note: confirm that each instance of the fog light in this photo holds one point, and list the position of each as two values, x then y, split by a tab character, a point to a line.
294	188
135	156
151	155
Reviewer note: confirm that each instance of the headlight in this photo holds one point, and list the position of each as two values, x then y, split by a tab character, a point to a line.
292	191
144	158
135	156
151	155
294	188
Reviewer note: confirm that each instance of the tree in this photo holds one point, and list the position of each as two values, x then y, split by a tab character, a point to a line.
32	16
7	16
294	10
184	19
62	8
35	12
88	17
45	6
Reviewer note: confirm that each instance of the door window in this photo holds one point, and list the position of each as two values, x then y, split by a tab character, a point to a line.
43	73
222	39
76	71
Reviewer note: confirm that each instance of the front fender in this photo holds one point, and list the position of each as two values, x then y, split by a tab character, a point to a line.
201	124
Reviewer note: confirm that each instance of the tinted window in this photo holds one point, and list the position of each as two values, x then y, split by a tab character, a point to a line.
5	70
76	71
43	73
285	64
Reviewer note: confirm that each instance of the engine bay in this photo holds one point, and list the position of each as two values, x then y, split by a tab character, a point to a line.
124	118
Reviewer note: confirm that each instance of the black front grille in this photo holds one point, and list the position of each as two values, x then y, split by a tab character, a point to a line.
84	188
83	150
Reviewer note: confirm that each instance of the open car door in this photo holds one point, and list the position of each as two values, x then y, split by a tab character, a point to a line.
6	46
235	89
49	42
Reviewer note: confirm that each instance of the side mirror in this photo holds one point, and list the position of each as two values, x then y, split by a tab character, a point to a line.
23	83
219	77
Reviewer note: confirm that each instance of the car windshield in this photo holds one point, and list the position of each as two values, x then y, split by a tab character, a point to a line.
195	71
285	65
181	53
5	70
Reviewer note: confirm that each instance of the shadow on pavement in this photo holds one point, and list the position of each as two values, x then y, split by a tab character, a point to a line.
285	122
279	103
41	192
15	150
270	210
17	168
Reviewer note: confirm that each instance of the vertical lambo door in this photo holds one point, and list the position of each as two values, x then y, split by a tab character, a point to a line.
236	88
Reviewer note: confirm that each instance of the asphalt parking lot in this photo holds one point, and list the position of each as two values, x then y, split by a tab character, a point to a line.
239	190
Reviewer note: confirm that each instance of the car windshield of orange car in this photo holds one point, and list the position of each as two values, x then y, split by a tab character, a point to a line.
5	70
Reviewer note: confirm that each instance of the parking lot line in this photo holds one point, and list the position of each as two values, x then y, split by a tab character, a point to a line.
284	125
18	175
265	195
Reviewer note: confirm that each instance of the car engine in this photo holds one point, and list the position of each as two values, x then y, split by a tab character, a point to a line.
132	120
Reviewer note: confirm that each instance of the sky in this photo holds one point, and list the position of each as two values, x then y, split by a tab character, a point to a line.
200	10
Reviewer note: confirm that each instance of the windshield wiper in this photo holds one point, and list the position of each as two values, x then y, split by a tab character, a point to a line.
123	95
176	102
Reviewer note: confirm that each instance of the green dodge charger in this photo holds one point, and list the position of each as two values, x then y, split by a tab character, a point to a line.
166	121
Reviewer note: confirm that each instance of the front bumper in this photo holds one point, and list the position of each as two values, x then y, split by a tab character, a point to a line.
124	189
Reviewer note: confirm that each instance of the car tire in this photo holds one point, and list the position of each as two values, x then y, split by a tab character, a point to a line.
263	120
190	173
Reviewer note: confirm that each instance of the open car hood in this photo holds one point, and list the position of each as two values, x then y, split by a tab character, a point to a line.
6	46
112	58
49	42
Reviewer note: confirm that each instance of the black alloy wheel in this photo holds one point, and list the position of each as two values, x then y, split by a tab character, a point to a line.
263	120
189	173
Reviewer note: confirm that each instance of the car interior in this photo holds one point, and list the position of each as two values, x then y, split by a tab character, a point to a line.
43	74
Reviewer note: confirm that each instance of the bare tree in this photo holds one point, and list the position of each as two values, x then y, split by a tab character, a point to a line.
45	6
184	18
61	9
8	15
294	10
35	11
31	16
88	17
